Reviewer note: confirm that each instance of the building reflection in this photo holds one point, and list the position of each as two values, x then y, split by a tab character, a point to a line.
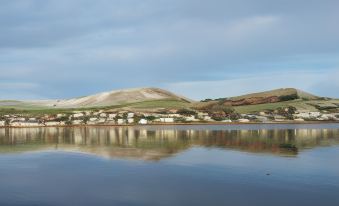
154	144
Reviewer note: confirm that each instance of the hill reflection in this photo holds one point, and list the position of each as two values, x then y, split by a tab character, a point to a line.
154	144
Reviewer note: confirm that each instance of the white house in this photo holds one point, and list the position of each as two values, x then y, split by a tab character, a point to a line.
142	121
103	115
91	122
130	115
52	123
227	120
31	124
111	116
60	115
92	119
77	122
299	120
243	120
303	115
2	123
87	113
202	114
279	118
175	115
15	124
315	114
24	124
152	114
262	113
262	118
308	115
191	118
77	115
130	120
329	117
167	120
21	119
121	121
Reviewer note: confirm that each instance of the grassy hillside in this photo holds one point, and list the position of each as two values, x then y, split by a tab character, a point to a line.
144	105
310	105
271	100
152	99
104	99
113	98
283	92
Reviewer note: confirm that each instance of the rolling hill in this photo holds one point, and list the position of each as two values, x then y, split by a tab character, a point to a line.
272	96
282	94
271	100
155	99
123	97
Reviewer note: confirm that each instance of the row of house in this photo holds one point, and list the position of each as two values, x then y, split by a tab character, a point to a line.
317	116
125	117
99	117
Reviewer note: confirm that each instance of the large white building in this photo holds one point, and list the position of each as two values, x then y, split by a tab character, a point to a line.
167	120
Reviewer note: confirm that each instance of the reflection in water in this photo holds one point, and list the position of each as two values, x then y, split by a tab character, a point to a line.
156	143
211	171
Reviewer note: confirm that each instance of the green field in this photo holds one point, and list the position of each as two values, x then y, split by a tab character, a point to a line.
26	109
152	104
168	104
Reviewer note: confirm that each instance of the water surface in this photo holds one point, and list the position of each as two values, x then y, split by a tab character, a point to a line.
171	165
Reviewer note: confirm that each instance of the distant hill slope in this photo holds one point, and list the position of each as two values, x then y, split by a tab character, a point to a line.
283	93
155	99
111	98
272	96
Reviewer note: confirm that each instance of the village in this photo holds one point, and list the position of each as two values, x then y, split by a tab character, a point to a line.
181	116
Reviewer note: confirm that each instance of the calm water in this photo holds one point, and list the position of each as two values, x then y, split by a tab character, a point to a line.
171	165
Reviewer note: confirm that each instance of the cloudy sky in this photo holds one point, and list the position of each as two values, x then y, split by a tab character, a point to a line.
201	49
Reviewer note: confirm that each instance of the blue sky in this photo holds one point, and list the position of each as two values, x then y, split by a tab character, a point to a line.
200	49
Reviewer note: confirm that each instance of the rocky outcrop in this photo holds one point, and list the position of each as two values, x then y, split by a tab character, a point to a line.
252	101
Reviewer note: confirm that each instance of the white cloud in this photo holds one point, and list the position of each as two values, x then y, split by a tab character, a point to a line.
66	46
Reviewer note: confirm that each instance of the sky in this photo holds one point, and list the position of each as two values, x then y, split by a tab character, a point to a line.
200	49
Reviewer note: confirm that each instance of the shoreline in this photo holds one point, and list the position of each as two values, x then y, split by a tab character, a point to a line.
181	124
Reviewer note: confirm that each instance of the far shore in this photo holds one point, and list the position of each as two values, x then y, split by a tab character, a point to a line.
178	124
